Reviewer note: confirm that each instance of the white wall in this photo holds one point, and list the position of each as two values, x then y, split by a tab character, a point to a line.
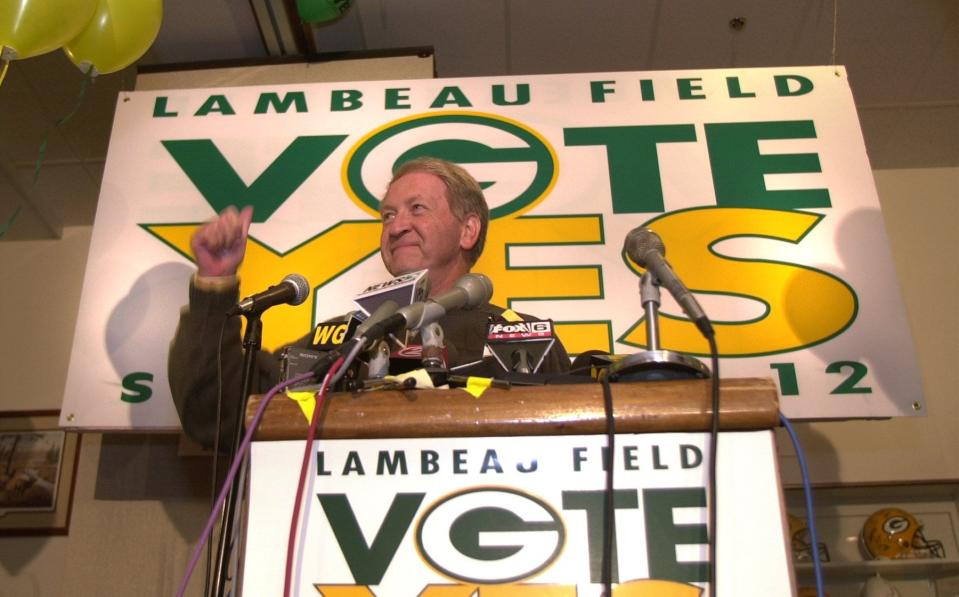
126	536
921	211
40	284
138	505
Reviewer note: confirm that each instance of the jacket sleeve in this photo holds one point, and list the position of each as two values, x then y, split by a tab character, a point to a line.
192	366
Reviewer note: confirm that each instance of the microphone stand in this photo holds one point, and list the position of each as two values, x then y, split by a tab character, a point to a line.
655	363
433	341
252	341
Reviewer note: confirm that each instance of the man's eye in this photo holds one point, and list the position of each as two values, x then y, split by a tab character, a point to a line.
418	208
386	217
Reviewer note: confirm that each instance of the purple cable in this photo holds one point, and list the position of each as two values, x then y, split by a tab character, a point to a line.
228	482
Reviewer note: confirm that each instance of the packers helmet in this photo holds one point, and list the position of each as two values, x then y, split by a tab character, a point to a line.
800	541
893	534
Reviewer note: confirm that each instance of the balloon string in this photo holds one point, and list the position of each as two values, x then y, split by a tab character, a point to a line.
6	225
87	78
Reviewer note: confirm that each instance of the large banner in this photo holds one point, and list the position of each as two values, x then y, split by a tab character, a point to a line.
517	516
756	179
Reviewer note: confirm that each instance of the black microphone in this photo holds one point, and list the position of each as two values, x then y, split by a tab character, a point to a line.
383	310
292	290
469	292
646	248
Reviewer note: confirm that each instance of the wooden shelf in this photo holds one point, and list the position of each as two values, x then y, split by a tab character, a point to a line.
926	568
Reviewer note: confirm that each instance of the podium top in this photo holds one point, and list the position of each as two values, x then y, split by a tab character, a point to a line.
638	407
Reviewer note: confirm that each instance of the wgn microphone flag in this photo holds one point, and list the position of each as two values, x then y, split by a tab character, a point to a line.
403	290
521	346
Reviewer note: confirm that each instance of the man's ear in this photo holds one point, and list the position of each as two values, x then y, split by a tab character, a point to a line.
469	232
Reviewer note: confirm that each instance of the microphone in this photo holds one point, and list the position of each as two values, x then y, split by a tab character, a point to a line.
378	301
646	248
382	311
469	292
292	290
520	361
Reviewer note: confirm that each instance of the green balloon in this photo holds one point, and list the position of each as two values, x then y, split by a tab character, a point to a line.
33	27
321	11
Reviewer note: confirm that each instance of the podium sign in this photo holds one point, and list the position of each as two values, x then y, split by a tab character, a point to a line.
516	516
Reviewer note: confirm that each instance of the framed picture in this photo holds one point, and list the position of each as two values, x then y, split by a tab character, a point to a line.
38	467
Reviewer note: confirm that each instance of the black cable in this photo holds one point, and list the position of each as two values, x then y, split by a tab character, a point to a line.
713	447
609	512
216	447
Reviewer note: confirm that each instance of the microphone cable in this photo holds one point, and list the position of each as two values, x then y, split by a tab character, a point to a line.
712	498
216	447
238	458
304	467
807	494
609	523
609	505
333	375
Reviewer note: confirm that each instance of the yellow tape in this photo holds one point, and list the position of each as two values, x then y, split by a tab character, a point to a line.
306	401
511	316
477	385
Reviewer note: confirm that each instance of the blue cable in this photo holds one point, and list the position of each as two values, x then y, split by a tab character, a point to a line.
807	493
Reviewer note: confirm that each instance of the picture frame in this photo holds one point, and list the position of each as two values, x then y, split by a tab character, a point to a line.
38	469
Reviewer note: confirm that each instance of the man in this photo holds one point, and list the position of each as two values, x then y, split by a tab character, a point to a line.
434	217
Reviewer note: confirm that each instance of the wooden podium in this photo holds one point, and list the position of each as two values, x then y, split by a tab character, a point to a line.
437	492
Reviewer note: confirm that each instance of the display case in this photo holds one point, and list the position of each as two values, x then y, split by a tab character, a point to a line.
842	511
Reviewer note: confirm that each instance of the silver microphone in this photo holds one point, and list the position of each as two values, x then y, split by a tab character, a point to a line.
646	248
469	292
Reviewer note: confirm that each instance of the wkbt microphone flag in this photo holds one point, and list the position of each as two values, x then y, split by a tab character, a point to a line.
405	289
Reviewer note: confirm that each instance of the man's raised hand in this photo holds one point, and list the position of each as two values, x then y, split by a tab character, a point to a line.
219	245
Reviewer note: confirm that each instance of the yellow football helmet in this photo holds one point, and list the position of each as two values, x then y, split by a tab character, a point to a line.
801	542
893	534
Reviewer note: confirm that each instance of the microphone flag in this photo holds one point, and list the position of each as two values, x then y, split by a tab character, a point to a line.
405	289
521	346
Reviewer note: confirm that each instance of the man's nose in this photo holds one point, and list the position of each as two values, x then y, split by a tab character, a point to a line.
398	224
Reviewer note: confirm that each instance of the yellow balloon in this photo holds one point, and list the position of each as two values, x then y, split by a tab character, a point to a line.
32	27
120	32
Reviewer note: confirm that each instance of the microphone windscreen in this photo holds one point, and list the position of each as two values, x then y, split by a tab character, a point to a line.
639	242
300	286
478	290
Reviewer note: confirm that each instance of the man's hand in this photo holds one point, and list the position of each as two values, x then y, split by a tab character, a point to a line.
219	245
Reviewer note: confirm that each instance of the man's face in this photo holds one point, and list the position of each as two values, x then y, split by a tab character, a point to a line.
419	229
